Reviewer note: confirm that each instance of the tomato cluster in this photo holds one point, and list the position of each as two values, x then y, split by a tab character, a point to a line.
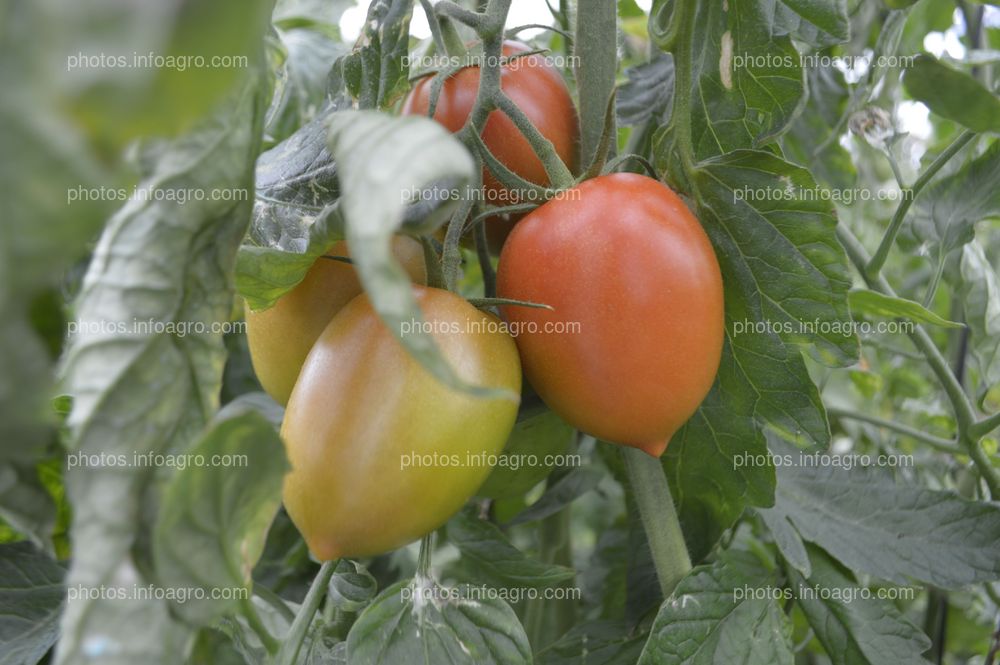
626	351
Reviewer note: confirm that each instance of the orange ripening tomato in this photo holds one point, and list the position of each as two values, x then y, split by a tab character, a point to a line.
537	88
621	257
380	449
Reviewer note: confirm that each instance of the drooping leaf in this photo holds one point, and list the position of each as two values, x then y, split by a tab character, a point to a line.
385	163
152	390
648	92
714	616
422	623
213	519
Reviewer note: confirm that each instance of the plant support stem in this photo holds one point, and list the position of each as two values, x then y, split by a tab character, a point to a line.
289	653
659	518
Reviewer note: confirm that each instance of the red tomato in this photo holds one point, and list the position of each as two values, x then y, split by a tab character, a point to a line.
622	257
537	88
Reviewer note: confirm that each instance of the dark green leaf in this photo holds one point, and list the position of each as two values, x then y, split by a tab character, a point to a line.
560	494
857	630
493	556
595	643
952	94
715	616
523	460
648	92
31	601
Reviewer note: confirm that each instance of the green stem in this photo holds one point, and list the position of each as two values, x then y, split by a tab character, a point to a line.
474	20
559	174
435	25
258	627
659	518
882	253
683	16
936	442
453	44
596	46
986	425
485	261
432	264
289	653
961	405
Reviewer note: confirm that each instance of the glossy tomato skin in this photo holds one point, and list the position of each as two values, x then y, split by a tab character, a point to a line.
622	256
362	405
537	88
280	337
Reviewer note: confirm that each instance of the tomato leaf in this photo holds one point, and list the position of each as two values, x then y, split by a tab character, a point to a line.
946	212
524	465
295	215
31	601
433	625
952	94
561	493
980	292
786	283
595	643
152	391
705	621
744	102
857	630
890	530
212	522
873	303
491	555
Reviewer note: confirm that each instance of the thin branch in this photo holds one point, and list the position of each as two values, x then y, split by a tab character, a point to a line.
936	442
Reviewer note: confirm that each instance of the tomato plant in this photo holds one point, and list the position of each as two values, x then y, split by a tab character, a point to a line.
764	233
661	309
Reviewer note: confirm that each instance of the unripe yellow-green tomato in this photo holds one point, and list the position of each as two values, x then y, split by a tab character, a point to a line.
280	337
382	452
